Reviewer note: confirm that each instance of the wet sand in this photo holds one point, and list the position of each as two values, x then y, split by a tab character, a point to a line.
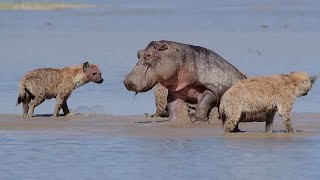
306	124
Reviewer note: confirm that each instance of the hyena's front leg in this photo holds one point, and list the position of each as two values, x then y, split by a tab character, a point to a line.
65	108
37	100
287	123
61	99
284	112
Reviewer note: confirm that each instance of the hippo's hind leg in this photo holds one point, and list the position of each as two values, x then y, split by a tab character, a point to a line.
36	102
205	104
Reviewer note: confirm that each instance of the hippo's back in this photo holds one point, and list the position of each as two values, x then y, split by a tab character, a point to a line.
213	70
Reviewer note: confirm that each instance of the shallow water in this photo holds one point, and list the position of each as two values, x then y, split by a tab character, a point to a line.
258	37
48	155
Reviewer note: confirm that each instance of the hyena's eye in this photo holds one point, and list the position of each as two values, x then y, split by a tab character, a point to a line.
94	74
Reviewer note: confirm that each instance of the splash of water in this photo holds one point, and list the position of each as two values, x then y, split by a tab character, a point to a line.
84	110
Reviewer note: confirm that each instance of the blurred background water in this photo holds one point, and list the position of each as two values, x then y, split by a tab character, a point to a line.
258	37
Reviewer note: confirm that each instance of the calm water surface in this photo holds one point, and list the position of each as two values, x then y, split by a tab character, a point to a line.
48	155
259	37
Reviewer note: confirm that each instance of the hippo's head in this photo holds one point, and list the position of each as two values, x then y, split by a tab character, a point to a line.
92	73
158	62
303	82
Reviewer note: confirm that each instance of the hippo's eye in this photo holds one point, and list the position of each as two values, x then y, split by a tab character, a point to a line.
94	74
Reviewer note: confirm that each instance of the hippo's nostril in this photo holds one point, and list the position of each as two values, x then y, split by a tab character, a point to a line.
126	83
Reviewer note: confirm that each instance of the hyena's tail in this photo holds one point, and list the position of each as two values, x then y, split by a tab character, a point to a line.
23	95
222	115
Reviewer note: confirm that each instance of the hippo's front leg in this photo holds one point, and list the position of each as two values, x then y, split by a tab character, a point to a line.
174	104
205	104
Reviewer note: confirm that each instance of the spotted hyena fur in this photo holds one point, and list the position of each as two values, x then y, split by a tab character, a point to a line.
265	95
46	83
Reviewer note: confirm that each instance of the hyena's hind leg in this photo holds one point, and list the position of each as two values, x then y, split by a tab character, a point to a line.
269	121
231	123
35	102
25	105
65	108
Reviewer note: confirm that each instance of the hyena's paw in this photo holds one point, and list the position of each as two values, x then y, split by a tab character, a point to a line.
71	114
27	115
231	126
291	131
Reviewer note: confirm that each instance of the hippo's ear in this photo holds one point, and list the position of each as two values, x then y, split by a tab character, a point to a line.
85	66
161	47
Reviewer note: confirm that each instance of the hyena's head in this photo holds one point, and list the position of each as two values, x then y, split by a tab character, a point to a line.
302	82
92	73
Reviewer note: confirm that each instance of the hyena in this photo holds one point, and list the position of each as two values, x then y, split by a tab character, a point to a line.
46	83
254	96
160	95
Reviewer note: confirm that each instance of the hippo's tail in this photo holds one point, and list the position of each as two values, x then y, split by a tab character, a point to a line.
23	94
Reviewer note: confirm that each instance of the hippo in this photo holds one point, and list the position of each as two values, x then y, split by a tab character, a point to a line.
192	74
161	102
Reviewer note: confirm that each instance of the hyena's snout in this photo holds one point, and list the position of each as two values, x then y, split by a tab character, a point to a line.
99	81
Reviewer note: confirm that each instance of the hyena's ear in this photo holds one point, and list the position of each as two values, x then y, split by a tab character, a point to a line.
295	78
85	66
313	79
